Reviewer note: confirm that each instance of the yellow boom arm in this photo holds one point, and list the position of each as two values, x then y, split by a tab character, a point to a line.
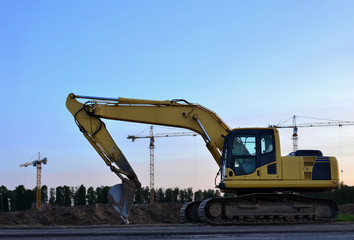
167	113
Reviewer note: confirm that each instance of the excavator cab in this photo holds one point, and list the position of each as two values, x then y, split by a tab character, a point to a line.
251	162
246	150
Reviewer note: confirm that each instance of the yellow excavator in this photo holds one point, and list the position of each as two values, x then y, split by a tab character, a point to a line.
250	164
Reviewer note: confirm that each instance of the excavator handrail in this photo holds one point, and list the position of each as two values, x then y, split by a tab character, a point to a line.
122	100
92	97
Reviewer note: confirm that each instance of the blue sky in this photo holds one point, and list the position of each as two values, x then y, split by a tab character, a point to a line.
253	62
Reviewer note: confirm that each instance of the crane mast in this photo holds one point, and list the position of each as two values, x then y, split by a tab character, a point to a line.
152	154
38	164
152	174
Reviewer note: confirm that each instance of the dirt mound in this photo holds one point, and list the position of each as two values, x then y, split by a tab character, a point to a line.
346	208
155	213
99	214
95	214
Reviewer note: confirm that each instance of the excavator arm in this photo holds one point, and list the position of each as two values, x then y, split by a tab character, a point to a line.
96	133
167	113
175	113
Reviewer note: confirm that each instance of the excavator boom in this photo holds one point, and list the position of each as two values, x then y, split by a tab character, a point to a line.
175	113
167	113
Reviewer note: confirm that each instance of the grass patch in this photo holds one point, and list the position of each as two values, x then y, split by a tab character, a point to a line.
345	218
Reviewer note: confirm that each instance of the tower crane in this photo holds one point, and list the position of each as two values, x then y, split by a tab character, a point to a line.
295	126
152	147
38	164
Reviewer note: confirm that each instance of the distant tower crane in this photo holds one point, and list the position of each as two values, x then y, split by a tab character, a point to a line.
152	147
295	126
38	164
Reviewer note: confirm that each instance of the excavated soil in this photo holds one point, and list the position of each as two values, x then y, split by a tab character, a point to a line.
104	214
346	208
96	214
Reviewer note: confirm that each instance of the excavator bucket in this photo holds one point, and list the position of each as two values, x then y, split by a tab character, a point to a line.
121	197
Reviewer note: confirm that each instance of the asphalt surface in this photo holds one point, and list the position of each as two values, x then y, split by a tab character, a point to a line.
184	231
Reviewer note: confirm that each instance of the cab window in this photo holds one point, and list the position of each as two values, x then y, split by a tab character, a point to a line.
244	146
243	159
267	143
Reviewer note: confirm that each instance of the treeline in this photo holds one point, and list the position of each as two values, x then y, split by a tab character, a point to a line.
175	195
345	194
63	196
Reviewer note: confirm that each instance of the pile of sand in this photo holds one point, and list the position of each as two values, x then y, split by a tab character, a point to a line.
95	214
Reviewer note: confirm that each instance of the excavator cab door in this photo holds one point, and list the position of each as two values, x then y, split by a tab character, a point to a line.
267	154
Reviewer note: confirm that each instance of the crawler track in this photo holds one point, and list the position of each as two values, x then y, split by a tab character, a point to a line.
189	212
263	209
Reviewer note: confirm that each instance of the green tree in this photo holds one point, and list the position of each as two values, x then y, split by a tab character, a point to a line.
183	195
99	192
74	190
99	198
73	198
139	199
51	195
44	194
175	195
67	196
18	199
168	195
91	196
146	194
102	194
30	198
105	191
160	195
198	196
4	199
345	194
59	196
189	196
80	196
210	193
